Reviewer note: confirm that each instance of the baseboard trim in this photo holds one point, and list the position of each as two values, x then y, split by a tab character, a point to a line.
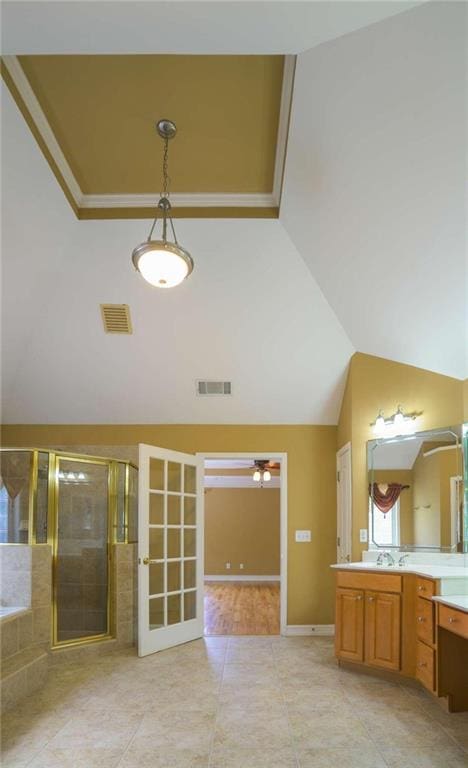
243	577
310	629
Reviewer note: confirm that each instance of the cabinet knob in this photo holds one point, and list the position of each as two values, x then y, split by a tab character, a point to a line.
420	618
371	599
422	664
358	597
421	588
451	620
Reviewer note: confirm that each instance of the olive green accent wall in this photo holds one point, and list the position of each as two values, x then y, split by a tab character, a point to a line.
374	384
465	400
242	525
311	486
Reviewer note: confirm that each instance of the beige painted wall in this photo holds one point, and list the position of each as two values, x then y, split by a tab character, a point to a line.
374	384
242	525
311	486
465	400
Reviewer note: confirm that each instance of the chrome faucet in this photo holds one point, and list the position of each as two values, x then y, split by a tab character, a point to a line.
403	559
385	555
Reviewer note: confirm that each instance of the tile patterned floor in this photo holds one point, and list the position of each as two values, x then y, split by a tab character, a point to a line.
239	702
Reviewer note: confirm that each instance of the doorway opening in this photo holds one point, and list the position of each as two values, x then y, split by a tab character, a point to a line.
245	503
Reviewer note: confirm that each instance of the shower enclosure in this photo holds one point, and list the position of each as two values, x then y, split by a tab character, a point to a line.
81	505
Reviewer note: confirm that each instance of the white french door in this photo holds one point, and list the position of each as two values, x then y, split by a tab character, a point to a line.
170	548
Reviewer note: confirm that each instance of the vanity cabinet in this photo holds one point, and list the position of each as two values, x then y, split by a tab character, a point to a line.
368	620
425	633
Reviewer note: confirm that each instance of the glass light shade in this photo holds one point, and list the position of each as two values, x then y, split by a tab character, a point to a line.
256	476
379	426
267	475
398	422
162	264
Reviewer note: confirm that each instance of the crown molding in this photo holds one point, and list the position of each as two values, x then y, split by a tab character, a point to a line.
38	117
179	200
109	202
283	125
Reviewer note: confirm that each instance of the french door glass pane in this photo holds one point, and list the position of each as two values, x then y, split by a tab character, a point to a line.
190	479
189	542
156	612
173	609
189	510
173	577
173	510
156	472
156	509
156	578
174	476
190	571
173	542
156	543
190	605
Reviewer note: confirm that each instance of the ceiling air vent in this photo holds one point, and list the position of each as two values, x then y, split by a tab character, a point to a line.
214	388
116	318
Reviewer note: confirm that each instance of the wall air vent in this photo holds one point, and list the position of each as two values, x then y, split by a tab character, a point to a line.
214	388
116	318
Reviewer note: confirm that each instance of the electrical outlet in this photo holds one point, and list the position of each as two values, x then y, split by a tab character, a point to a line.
228	566
363	535
241	566
303	536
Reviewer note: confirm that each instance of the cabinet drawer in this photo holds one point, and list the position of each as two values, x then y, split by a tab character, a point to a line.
425	665
425	620
382	582
453	620
425	587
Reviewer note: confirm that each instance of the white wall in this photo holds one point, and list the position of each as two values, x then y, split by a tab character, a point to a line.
251	312
374	195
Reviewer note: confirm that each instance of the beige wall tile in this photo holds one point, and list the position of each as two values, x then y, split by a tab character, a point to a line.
9	637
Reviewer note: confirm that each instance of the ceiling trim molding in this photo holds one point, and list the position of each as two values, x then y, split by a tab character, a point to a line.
239	481
283	125
39	119
180	200
101	206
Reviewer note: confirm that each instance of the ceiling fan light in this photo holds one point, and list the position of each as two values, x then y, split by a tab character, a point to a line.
256	477
267	475
162	264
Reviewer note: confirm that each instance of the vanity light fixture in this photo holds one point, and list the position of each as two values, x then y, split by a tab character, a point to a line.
399	423
163	263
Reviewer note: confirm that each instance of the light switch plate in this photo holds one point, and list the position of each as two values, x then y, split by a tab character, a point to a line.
303	536
363	535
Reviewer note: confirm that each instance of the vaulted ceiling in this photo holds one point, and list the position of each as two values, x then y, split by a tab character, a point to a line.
367	253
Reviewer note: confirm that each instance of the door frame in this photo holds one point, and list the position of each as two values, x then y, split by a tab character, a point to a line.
283	459
345	451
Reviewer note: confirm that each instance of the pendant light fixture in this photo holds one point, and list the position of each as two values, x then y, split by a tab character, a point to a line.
163	263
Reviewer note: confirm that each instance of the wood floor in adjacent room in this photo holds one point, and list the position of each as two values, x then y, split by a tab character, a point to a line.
242	608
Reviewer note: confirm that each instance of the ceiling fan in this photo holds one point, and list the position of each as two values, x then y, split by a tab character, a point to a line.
262	470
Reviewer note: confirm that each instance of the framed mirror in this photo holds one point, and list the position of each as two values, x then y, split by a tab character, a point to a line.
417	492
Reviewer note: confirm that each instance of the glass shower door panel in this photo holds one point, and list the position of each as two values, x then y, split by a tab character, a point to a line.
81	550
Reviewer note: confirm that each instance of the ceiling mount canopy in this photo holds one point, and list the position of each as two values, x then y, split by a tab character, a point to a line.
163	263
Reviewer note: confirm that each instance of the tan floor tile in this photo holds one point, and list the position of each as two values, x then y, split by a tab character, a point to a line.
426	757
364	757
111	730
323	729
77	758
232	757
149	757
258	730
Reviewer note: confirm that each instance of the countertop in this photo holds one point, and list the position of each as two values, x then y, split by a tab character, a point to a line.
454	601
430	571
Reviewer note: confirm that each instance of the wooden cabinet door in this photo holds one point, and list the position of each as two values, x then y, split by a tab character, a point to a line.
382	629
349	624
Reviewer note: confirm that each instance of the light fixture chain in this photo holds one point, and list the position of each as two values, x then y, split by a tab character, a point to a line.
166	177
